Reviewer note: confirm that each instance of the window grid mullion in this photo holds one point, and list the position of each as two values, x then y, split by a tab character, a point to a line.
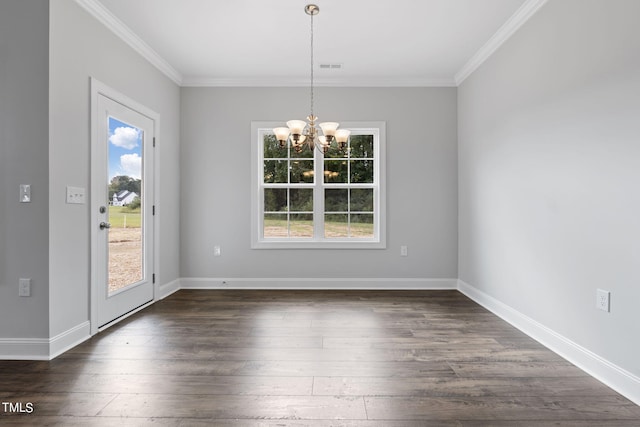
288	212
288	191
349	210
318	196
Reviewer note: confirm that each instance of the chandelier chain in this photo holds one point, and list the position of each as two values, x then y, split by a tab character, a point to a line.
312	64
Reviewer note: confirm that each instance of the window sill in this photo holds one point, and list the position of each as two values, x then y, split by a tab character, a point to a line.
309	244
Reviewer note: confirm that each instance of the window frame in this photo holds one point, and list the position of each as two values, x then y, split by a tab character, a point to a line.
258	241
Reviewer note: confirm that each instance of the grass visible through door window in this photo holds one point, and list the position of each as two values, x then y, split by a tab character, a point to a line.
125	247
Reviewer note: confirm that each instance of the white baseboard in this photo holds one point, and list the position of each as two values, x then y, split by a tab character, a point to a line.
606	372
318	283
167	289
69	339
43	348
24	349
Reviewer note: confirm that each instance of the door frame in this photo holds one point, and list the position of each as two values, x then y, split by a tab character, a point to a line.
98	88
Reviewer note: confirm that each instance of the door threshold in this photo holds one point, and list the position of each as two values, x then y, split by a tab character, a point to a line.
124	316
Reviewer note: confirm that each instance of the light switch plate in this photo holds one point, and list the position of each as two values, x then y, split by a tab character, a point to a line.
75	195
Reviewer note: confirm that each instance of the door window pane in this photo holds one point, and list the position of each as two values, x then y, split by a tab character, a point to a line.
125	165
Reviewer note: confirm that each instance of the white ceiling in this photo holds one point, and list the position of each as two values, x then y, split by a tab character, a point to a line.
266	42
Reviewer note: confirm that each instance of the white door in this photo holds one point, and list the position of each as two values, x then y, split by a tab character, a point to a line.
122	204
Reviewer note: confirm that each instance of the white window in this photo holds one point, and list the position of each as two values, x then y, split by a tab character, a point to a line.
315	200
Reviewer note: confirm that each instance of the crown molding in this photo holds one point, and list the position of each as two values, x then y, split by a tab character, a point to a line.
298	82
103	15
109	20
522	15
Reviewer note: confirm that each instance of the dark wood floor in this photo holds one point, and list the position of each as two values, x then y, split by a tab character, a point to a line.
310	358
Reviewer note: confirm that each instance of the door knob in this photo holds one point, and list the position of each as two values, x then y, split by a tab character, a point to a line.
104	225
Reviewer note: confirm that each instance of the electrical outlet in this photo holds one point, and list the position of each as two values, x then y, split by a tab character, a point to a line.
25	193
602	300
403	251
216	251
24	288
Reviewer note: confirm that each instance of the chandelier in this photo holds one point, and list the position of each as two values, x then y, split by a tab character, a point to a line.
302	134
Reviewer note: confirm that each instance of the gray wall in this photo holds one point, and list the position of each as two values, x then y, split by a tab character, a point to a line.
82	47
421	182
549	168
24	116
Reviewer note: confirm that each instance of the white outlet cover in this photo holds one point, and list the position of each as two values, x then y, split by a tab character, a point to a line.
602	300
25	193
24	289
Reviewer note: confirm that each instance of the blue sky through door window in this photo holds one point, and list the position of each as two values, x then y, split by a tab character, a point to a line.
125	149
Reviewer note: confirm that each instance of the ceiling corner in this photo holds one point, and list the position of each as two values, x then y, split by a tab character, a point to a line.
517	20
103	15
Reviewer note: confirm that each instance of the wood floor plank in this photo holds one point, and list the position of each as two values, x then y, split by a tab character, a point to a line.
134	367
539	408
346	332
312	423
247	342
356	369
462	343
313	359
80	421
214	352
230	407
458	387
551	423
157	384
516	369
61	421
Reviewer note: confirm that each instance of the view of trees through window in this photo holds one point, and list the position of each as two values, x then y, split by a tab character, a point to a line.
345	190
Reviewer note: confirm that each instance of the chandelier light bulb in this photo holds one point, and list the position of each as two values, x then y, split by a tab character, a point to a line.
296	126
329	129
342	135
282	134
